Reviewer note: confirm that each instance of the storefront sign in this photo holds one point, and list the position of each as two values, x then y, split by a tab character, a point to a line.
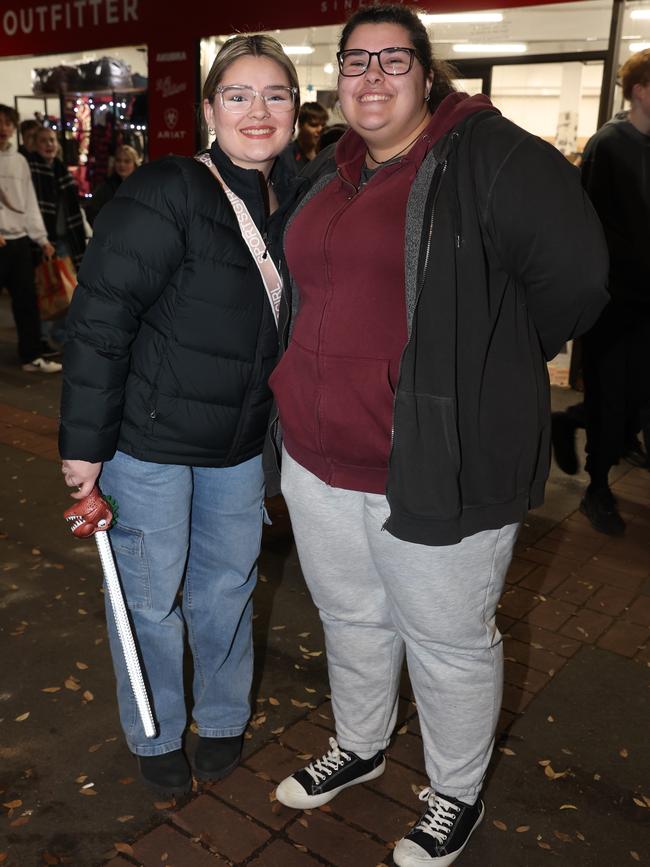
29	27
172	100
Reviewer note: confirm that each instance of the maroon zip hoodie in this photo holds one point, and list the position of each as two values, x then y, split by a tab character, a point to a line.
345	250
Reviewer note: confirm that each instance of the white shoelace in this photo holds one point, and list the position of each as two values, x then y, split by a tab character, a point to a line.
332	761
439	818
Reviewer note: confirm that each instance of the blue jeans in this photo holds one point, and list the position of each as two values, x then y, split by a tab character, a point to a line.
199	529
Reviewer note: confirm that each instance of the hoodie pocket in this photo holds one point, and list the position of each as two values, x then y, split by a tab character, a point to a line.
356	411
425	463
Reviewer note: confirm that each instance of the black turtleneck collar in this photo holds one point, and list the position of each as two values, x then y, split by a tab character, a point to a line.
250	186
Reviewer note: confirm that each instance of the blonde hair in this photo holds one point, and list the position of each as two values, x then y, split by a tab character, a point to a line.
257	45
130	152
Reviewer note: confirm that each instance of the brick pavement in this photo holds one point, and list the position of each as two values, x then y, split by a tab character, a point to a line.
572	587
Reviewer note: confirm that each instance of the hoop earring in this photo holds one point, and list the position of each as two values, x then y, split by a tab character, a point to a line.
211	130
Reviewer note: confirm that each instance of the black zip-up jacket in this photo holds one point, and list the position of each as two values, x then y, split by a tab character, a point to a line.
170	336
505	261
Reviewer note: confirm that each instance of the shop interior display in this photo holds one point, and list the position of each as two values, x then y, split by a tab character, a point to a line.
102	105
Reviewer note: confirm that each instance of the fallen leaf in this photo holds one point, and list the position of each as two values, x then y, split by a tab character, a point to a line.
82	611
303	822
624	754
71	683
163	805
277	731
22	717
125	818
554	775
95	747
316	653
507	751
635	855
304	634
273	701
303	649
272	796
84	791
296	703
543	844
22	820
51	689
544	762
81	666
307	689
580	836
640	803
403	730
568	807
88	695
565	838
550	718
521	829
500	825
124	848
12	805
81	779
277	628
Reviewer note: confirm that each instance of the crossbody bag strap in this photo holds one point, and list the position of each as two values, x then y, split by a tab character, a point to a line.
251	234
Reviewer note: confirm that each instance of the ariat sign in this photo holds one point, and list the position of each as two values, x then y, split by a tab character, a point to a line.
70	15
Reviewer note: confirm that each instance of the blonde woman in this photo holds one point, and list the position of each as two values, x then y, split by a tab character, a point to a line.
125	163
171	339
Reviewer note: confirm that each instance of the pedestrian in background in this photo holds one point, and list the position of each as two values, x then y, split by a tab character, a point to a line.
20	223
312	120
172	336
125	163
434	273
28	130
616	352
58	197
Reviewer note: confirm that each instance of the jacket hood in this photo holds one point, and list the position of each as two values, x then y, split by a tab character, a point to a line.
452	111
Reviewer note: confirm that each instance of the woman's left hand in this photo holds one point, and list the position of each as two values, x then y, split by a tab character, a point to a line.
81	474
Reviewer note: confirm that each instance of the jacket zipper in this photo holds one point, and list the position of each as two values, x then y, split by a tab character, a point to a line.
417	299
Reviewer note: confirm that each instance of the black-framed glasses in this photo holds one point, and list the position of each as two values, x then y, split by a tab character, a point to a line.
392	61
239	98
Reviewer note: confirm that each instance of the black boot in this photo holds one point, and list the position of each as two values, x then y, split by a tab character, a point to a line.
599	505
168	774
215	758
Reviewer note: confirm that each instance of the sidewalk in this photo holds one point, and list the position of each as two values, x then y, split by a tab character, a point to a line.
570	778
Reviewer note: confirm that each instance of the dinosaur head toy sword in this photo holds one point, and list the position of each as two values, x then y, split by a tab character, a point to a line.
93	516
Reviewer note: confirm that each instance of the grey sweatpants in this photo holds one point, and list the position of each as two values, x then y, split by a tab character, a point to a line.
380	597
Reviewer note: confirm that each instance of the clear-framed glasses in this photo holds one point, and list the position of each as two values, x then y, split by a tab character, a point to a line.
239	99
392	61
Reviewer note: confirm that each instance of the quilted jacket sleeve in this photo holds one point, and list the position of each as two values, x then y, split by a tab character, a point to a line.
548	238
138	244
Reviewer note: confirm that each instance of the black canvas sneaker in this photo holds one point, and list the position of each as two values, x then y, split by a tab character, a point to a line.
441	834
323	779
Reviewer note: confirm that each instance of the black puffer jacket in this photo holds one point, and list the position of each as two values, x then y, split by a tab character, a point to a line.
171	338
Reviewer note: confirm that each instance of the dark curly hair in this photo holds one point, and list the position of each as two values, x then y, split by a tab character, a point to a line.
391	13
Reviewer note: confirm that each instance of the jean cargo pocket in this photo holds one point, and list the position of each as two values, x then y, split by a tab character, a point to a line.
132	565
425	463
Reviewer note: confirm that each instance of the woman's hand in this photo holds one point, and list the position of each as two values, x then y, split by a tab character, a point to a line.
81	474
48	250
